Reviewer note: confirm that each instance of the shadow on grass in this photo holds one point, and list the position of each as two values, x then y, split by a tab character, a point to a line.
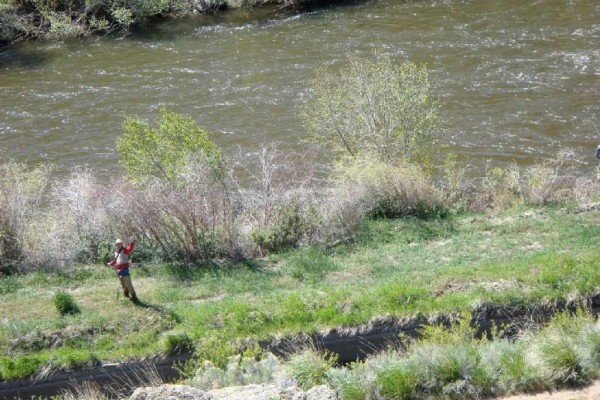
191	273
159	309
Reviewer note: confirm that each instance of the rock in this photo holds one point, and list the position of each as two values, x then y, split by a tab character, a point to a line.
321	393
256	392
170	392
249	392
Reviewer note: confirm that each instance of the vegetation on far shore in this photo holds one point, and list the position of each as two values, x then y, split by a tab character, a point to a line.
62	19
228	254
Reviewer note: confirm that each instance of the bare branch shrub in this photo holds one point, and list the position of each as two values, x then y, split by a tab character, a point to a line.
456	187
280	206
586	190
498	189
366	187
191	220
550	180
545	182
21	194
79	203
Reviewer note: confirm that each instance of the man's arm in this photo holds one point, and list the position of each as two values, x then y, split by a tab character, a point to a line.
129	247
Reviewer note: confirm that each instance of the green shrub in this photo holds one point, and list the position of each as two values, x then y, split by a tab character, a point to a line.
309	368
164	151
398	383
216	350
374	108
65	304
286	232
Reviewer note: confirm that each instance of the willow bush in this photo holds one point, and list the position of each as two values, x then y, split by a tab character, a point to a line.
374	107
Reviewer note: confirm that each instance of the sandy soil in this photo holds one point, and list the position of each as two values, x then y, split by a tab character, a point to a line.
591	392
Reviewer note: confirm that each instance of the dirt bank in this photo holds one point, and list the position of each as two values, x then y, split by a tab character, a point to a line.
591	392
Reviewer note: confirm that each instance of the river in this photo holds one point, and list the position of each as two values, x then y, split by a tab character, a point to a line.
517	79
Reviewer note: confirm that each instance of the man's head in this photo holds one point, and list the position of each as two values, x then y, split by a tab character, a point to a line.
118	243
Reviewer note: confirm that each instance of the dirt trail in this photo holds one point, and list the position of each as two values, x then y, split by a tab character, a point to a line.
591	392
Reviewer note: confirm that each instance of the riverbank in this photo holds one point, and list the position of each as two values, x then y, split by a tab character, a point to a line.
20	20
399	267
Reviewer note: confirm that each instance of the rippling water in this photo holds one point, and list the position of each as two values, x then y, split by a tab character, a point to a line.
517	79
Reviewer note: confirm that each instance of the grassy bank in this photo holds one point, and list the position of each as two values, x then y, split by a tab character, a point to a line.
396	267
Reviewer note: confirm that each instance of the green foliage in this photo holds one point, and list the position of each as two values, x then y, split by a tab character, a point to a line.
398	383
65	303
460	332
287	231
17	367
216	350
376	108
176	343
310	368
163	151
61	19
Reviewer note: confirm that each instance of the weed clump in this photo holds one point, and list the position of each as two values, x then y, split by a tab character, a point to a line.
176	343
65	304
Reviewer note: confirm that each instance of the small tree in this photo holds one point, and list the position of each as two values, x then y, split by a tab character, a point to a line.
374	107
163	152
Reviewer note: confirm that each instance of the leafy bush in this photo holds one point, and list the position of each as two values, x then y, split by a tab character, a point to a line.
374	108
61	26
60	19
290	225
164	152
65	304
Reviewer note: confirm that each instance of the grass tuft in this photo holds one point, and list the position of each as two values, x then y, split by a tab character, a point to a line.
65	304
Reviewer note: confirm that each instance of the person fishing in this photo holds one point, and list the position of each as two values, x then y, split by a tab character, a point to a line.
121	264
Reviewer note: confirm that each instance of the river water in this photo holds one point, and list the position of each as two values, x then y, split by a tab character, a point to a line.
517	79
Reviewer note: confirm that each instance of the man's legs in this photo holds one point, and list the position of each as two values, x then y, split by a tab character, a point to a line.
125	291
128	288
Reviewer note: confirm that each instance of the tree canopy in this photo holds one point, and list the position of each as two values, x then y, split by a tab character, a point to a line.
374	107
163	151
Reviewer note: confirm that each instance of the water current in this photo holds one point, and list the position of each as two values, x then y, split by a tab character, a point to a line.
517	79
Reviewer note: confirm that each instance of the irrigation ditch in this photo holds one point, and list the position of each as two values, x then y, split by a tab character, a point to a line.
349	343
